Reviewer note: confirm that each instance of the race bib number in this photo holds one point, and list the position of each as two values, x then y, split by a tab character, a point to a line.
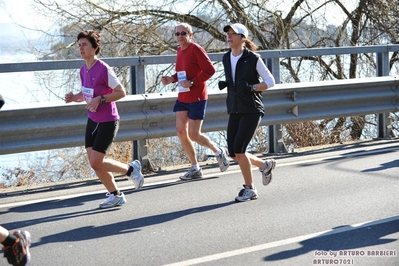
181	75
88	94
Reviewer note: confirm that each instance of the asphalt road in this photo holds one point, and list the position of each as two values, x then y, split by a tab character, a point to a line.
324	207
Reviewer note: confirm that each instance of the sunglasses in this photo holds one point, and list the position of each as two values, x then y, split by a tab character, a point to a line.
183	33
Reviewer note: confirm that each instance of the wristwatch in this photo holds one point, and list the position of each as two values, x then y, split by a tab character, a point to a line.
103	100
253	87
192	83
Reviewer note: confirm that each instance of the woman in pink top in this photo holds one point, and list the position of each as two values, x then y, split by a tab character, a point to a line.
100	89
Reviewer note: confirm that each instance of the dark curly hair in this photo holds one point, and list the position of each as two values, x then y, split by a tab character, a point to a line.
93	37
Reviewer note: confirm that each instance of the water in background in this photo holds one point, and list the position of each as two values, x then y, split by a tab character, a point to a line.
15	90
15	86
14	160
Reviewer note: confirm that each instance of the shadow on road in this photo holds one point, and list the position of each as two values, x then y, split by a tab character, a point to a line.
96	232
392	164
47	205
82	200
365	236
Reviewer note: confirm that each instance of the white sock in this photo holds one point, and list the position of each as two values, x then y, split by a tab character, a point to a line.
264	166
195	167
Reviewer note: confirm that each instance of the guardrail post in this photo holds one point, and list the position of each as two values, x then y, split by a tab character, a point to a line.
384	130
137	86
276	142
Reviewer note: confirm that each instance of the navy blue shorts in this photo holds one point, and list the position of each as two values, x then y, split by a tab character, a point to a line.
99	136
196	110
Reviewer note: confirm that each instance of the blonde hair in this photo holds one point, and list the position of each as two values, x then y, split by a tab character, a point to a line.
250	45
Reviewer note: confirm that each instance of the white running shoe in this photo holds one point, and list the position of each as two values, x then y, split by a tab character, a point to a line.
113	201
247	194
136	176
267	173
192	174
222	160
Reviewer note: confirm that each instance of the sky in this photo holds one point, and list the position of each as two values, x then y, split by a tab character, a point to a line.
12	39
19	12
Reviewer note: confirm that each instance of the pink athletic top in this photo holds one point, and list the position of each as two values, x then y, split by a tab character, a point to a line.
100	79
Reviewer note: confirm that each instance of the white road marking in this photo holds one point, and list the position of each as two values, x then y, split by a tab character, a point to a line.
279	243
360	153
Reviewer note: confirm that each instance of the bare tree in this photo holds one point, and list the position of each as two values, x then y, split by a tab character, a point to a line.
145	28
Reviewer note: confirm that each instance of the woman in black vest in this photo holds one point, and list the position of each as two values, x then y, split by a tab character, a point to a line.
242	69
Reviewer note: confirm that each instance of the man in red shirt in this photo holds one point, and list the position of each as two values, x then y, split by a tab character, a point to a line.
193	69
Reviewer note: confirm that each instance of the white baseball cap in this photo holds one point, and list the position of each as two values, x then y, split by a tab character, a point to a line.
237	28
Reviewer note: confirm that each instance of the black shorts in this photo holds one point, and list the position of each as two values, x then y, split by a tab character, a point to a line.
99	136
240	130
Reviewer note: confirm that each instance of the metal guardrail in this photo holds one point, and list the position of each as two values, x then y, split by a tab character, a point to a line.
59	125
170	59
24	130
